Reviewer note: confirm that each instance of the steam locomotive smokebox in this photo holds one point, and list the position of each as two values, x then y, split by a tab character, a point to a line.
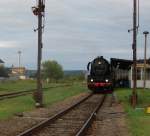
99	78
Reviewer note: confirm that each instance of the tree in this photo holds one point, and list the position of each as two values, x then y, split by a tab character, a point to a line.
52	70
3	72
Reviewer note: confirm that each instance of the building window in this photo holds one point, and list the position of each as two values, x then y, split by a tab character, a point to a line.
138	74
147	74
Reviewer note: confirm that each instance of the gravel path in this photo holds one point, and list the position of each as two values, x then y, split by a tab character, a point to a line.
110	121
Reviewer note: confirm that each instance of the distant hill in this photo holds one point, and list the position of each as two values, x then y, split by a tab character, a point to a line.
73	72
66	72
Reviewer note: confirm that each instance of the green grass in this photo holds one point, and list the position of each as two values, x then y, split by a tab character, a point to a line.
11	86
138	120
26	103
58	94
21	85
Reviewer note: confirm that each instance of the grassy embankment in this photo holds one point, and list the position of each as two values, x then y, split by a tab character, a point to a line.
138	120
26	103
21	85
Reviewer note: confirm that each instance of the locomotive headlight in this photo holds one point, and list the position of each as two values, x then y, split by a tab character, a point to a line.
106	80
92	80
99	63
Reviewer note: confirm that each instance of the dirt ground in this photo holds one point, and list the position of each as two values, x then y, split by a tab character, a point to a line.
110	120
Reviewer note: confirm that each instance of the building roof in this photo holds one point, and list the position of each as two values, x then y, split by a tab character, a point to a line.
1	61
126	64
142	61
121	63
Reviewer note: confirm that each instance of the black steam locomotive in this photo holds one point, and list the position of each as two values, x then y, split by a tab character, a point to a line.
99	78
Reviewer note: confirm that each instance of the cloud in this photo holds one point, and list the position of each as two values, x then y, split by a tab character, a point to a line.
75	31
9	44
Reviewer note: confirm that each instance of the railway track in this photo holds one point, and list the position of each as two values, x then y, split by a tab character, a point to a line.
73	121
21	93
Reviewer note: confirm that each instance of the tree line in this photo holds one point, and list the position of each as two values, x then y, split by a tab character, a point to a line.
51	71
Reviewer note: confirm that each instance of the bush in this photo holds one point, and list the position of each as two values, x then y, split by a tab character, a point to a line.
52	70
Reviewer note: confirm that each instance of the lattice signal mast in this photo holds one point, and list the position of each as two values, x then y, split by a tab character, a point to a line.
39	11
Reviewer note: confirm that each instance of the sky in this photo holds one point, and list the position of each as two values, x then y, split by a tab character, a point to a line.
75	31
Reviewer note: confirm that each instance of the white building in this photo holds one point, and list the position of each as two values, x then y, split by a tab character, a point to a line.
140	76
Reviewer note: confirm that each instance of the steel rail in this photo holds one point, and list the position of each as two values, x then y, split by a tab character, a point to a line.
91	118
20	93
15	94
43	124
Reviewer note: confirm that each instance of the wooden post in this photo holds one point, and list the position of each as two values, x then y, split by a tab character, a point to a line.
134	91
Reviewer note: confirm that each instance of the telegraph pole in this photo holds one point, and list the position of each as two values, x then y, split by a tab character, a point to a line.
134	91
145	34
39	12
